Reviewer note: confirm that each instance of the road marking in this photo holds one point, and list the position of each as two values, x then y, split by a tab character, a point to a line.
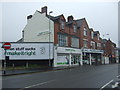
116	85
31	86
106	85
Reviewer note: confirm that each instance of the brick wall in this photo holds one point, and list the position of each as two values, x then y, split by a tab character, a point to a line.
69	30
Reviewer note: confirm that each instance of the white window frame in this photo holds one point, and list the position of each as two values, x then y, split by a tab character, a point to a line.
62	40
75	28
85	44
85	32
93	44
92	35
62	24
98	36
98	44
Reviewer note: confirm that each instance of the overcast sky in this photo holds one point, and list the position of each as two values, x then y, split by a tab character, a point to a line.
101	16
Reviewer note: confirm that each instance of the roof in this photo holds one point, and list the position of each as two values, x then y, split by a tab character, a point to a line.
53	18
91	29
79	22
96	32
104	40
70	22
20	40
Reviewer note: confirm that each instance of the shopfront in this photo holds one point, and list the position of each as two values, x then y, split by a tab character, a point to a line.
28	52
92	56
67	57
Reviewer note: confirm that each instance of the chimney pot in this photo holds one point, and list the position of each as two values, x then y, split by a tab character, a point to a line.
44	9
70	18
29	17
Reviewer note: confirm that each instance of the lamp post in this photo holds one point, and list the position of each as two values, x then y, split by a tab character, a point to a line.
105	35
49	37
104	45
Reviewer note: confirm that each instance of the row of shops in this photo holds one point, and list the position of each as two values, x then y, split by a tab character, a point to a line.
45	53
70	56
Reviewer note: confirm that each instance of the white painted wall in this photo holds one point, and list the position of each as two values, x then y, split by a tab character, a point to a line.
38	24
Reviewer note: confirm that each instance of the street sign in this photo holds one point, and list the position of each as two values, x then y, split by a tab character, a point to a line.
6	45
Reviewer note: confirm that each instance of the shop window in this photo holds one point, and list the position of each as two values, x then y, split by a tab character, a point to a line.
75	59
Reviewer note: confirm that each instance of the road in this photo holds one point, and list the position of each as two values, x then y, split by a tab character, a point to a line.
81	77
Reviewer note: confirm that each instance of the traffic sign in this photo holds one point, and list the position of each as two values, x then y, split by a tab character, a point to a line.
7	45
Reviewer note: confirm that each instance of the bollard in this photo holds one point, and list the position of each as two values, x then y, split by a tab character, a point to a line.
4	72
13	67
27	65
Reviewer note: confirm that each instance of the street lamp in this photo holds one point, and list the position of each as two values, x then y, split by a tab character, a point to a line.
105	35
49	37
104	45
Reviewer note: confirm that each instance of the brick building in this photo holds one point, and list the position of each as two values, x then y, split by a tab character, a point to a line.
75	43
109	50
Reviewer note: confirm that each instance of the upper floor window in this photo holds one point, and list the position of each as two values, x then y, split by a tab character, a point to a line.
75	42
75	28
85	32
62	40
104	45
62	24
98	36
98	44
85	42
92	35
93	44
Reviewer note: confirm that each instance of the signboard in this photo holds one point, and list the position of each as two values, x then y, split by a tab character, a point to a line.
68	50
29	51
6	45
92	51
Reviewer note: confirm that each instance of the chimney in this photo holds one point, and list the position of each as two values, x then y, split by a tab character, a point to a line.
70	18
29	17
44	9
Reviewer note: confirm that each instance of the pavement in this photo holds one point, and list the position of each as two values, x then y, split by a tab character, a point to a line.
27	71
100	77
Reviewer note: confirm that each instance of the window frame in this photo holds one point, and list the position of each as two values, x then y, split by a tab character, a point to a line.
75	42
75	28
62	40
85	31
85	43
92	34
98	35
62	24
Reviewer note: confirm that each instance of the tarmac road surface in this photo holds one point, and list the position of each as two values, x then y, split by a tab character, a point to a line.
81	77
